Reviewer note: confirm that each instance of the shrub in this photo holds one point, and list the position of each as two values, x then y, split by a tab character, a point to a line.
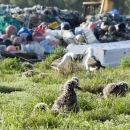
10	65
125	62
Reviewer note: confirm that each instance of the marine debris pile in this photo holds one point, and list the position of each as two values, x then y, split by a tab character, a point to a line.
33	32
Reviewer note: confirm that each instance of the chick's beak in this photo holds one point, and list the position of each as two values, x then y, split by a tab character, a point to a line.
79	88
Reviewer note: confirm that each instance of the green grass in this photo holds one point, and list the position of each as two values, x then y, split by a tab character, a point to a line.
19	95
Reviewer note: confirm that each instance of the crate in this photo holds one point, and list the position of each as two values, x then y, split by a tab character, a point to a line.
89	36
54	25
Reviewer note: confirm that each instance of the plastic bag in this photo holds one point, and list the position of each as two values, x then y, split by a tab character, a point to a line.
65	26
48	45
115	12
24	30
78	30
33	47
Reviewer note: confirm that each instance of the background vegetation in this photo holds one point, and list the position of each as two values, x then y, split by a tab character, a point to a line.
19	95
121	5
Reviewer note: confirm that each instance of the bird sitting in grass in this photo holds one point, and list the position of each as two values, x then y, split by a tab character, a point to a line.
115	89
67	101
91	62
69	58
29	73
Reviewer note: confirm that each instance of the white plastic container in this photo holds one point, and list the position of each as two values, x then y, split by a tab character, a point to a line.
109	54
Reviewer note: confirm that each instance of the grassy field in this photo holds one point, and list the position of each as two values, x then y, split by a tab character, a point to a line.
19	95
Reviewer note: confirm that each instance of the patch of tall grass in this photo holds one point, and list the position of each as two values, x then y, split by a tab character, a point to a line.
19	95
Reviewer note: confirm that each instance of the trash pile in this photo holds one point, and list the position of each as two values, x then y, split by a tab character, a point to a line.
31	33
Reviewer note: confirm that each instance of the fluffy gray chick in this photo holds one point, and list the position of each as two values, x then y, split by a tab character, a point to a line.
68	100
115	89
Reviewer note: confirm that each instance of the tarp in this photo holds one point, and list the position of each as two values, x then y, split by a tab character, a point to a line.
7	20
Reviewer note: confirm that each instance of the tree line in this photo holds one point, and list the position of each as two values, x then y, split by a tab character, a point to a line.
121	5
